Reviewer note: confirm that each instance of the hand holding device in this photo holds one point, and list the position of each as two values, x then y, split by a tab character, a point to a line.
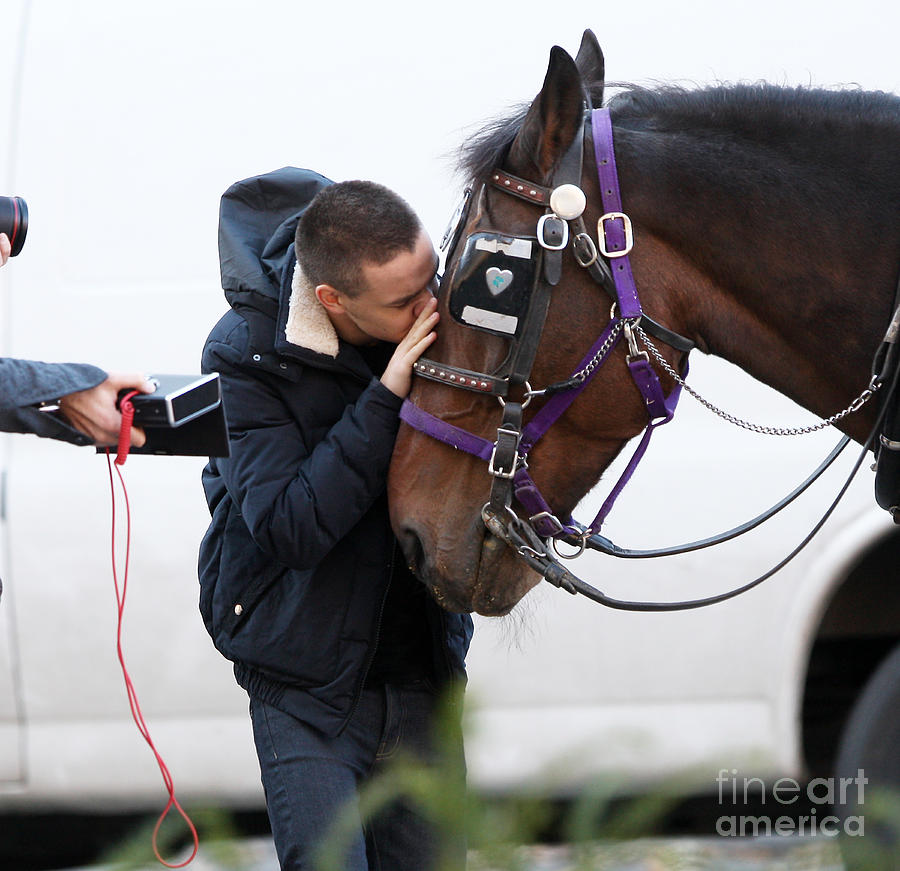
95	411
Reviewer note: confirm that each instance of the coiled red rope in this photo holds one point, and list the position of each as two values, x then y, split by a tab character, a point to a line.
124	445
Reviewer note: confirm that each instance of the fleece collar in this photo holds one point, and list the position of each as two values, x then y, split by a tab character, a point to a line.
308	324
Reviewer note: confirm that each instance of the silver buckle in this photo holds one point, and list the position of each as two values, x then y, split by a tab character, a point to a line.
540	233
503	473
590	248
546	515
601	234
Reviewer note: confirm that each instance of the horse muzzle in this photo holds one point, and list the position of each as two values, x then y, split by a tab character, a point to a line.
475	572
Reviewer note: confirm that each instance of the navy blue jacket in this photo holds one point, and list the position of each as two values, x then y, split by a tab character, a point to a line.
296	564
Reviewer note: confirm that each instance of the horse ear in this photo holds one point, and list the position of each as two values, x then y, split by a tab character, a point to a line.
552	121
591	65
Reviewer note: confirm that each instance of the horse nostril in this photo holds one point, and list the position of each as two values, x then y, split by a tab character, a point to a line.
411	545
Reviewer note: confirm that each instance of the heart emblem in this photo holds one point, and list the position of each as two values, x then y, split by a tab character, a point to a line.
498	280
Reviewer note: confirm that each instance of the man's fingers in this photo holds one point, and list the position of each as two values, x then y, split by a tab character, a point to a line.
138	437
416	350
419	329
130	380
429	310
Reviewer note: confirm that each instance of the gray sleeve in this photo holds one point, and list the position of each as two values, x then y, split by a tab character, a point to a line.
26	383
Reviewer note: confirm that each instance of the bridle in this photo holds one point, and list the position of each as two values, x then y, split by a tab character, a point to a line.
533	536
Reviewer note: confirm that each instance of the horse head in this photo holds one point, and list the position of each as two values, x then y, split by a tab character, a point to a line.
437	493
752	207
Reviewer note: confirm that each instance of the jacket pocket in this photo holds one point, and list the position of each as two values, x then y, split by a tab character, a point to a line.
243	577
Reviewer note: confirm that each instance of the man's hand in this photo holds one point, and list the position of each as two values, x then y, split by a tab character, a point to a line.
397	376
5	248
94	411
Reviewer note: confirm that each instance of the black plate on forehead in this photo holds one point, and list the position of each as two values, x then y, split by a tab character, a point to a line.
493	281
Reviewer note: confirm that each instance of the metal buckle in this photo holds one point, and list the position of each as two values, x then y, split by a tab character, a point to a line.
540	233
601	234
546	515
585	250
503	473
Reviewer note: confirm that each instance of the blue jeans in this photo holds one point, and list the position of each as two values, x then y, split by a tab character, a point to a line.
310	779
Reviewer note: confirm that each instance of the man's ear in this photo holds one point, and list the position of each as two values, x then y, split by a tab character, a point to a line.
330	298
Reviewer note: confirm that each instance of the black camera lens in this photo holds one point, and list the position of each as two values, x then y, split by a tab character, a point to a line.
14	221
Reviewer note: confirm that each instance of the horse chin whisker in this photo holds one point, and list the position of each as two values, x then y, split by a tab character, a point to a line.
517	627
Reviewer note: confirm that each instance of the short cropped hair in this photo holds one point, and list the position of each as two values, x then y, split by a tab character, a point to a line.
351	223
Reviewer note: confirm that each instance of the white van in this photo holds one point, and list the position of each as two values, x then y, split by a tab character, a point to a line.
122	124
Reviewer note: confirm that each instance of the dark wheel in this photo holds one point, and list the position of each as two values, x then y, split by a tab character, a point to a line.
867	785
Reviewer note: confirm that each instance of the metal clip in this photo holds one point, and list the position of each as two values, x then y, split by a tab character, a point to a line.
634	352
525	540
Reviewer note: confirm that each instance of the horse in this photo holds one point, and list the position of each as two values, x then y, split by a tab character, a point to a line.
760	225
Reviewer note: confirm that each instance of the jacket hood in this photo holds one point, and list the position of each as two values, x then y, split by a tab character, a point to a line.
257	221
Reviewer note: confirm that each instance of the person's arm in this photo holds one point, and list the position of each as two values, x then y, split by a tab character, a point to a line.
298	499
301	490
83	396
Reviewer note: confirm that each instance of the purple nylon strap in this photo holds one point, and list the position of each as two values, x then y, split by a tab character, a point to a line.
445	432
613	228
557	404
660	408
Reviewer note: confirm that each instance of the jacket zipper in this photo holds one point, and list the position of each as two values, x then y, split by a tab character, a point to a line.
371	657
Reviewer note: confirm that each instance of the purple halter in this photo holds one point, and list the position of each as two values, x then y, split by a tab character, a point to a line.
507	456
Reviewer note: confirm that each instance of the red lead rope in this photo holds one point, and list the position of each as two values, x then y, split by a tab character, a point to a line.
127	410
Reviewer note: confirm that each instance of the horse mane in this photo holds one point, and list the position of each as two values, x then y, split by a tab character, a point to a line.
762	113
802	118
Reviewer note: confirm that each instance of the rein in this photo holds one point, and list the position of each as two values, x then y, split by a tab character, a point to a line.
507	456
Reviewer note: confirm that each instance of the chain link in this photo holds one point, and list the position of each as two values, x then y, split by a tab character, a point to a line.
857	403
597	359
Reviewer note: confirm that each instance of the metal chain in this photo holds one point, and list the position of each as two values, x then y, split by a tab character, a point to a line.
583	374
857	403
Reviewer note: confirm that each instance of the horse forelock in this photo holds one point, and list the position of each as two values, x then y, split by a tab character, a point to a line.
487	148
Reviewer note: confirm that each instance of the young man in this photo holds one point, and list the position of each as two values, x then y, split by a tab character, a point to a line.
303	586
